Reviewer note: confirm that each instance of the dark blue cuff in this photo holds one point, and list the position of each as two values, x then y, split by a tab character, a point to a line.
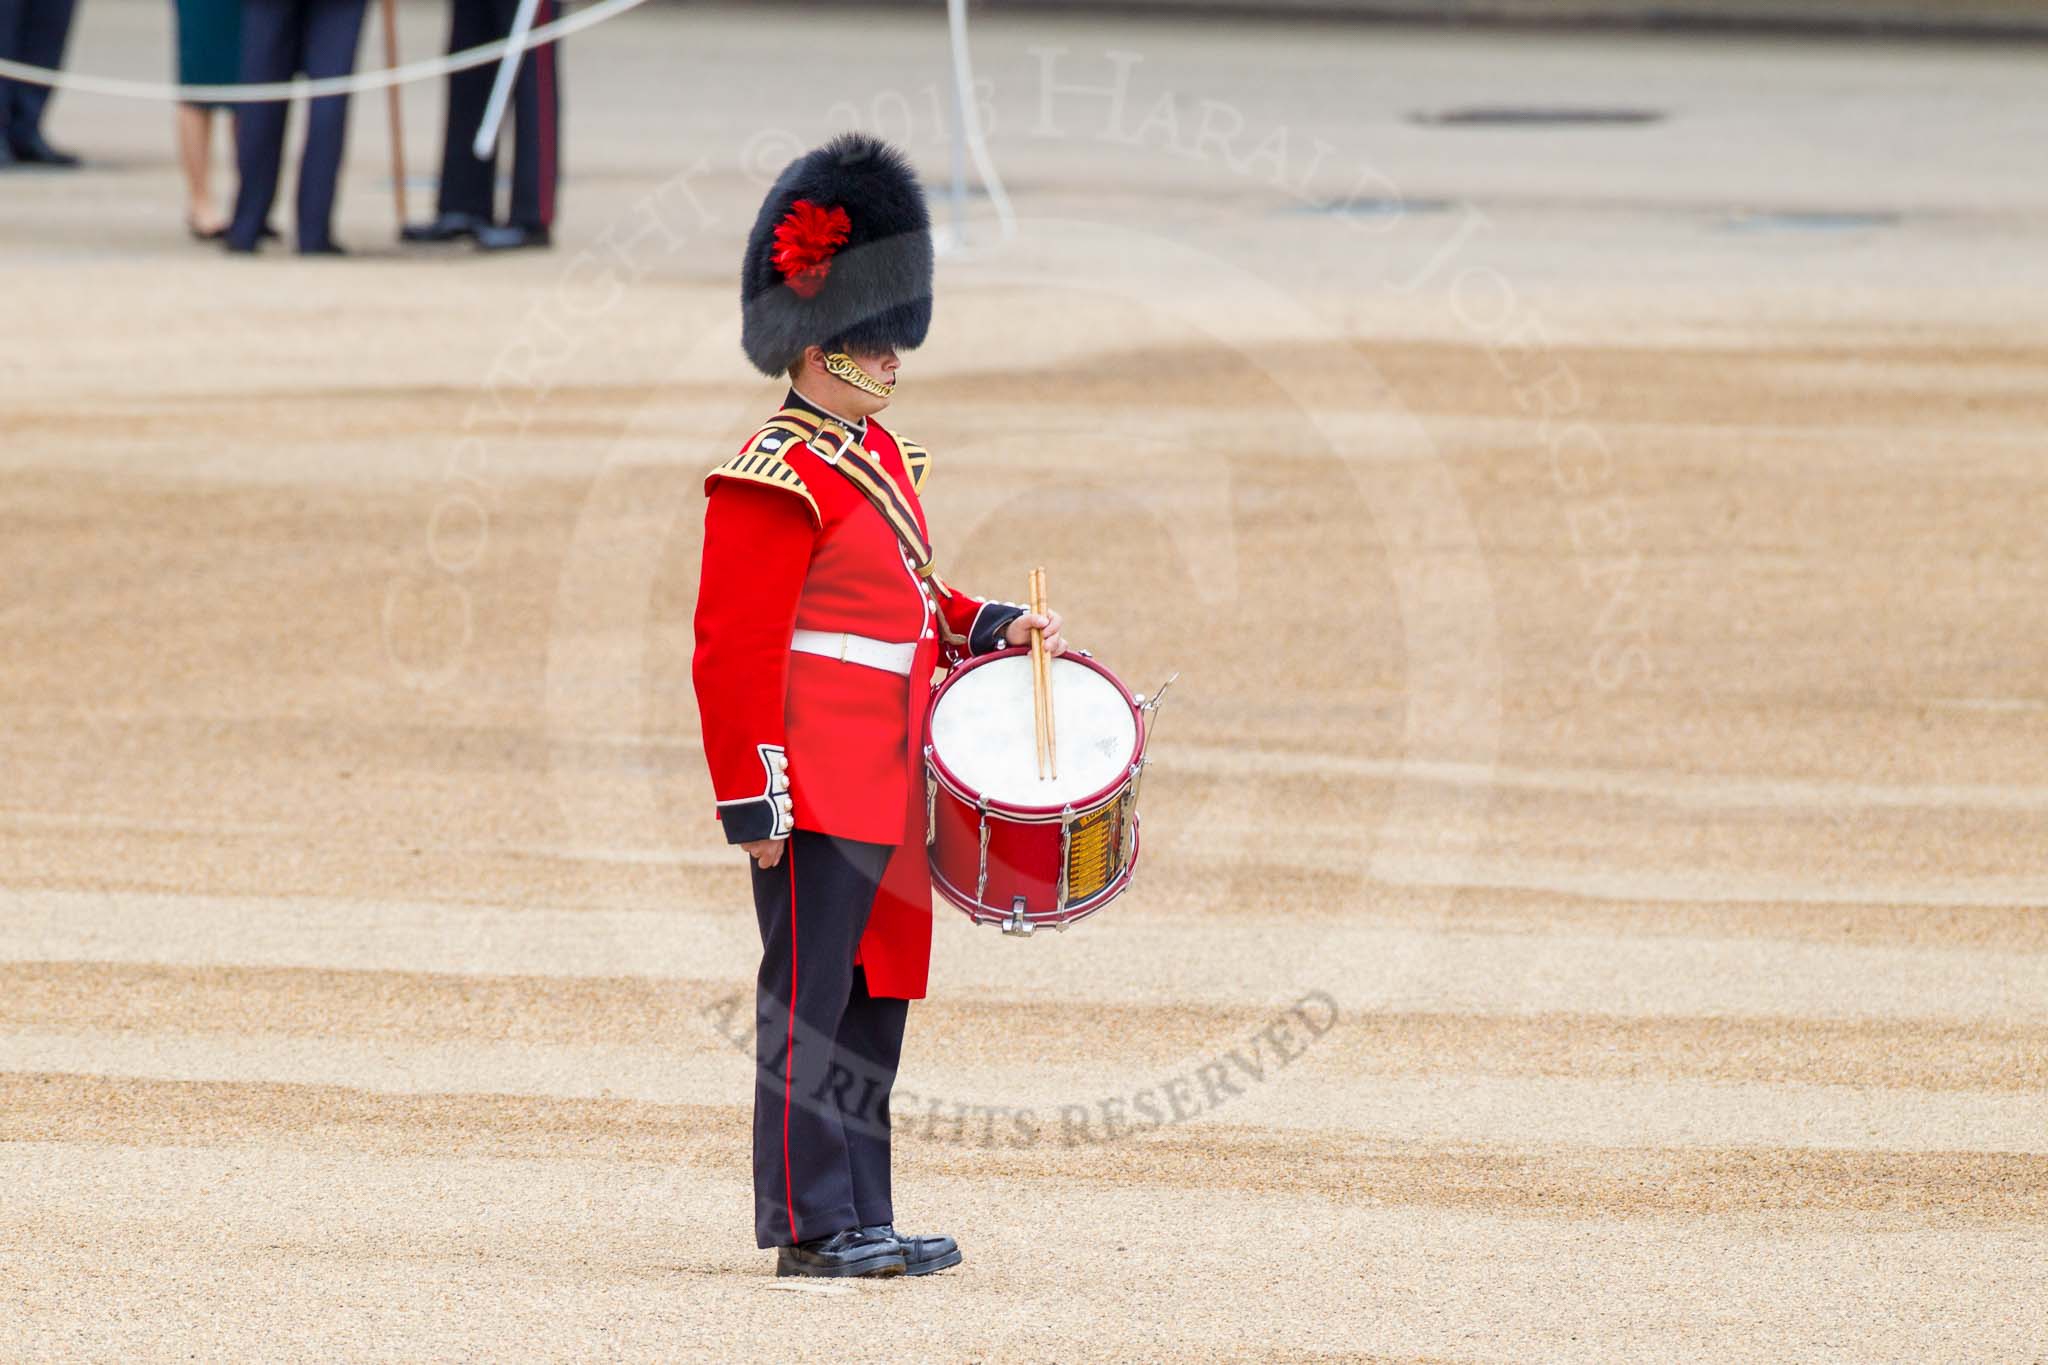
986	634
746	821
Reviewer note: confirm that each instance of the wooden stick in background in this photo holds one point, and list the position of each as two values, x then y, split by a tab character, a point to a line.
394	107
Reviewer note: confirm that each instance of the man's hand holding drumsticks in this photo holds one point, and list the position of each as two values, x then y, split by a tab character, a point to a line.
1018	632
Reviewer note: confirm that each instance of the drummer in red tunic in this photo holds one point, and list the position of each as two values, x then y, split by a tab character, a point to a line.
820	621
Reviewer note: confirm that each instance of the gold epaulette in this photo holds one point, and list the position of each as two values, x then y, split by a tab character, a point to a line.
761	462
917	460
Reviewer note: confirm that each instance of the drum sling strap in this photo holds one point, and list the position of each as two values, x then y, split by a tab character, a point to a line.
835	445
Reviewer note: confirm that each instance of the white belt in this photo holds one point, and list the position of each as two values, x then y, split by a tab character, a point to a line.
856	649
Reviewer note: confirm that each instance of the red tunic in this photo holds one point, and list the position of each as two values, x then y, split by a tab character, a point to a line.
790	543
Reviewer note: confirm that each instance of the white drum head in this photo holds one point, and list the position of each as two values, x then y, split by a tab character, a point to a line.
983	728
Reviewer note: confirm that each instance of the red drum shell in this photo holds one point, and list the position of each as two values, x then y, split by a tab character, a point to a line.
1025	842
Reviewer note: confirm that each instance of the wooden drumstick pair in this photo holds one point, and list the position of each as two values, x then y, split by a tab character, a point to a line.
1041	682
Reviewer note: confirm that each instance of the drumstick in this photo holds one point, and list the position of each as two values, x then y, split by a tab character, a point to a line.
1037	677
1052	728
1041	682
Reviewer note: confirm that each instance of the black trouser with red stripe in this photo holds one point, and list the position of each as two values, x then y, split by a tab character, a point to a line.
825	1050
469	185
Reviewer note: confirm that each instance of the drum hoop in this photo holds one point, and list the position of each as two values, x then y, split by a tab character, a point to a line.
1034	815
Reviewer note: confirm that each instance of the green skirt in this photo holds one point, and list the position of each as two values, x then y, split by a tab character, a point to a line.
209	42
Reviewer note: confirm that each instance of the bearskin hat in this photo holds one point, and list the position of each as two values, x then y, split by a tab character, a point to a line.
840	256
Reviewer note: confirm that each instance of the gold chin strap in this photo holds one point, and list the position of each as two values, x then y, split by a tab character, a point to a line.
844	365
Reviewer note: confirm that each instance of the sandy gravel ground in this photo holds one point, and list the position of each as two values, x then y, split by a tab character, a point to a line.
1606	572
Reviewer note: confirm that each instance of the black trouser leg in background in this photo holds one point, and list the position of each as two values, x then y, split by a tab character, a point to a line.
10	48
536	127
467	183
279	39
812	907
271	32
332	29
34	32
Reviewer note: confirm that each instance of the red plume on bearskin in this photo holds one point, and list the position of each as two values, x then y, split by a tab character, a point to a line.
804	242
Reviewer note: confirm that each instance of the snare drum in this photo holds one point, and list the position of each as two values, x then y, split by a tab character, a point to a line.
1007	846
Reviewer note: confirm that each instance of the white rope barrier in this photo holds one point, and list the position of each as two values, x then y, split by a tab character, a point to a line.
356	83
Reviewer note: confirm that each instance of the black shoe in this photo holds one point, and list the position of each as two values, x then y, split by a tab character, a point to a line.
921	1255
322	249
446	227
6	154
241	243
31	149
510	237
843	1254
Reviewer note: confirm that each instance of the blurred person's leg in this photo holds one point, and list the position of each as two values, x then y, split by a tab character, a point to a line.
334	28
10	48
271	32
40	29
209	53
537	127
195	158
467	188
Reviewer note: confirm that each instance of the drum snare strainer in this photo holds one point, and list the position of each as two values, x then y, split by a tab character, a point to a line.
1008	846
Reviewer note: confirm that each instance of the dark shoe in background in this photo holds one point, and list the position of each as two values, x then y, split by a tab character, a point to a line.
6	155
921	1255
446	227
841	1255
31	150
327	248
511	237
238	240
